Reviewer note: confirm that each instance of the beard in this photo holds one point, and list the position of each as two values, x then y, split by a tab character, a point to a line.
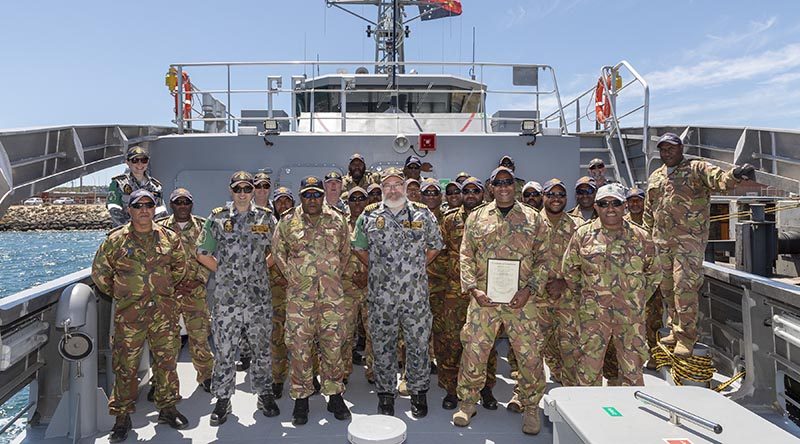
395	203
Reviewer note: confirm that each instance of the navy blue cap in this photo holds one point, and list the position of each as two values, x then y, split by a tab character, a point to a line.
634	192
413	159
311	183
670	138
281	192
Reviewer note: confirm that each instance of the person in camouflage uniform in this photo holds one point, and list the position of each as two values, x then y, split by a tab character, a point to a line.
374	193
454	312
234	244
453	197
138	265
122	186
613	267
585	189
507	162
311	246
509	230
597	171
357	174
397	239
676	213
431	195
532	194
282	201
413	191
354	282
333	191
191	293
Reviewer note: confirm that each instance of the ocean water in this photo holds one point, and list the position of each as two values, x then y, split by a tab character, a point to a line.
35	257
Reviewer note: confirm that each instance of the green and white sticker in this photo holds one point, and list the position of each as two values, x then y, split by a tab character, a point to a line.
612	411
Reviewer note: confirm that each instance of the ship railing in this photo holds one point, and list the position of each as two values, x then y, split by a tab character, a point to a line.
526	90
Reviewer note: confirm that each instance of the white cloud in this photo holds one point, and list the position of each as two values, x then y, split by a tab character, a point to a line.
784	78
746	40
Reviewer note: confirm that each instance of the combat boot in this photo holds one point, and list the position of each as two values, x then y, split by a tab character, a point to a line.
419	405
151	394
386	404
266	403
450	402
173	418
402	388
337	406
243	364
221	411
514	404
317	385
531	421
683	350
466	410
488	400
206	385
300	412
668	339
277	390
121	428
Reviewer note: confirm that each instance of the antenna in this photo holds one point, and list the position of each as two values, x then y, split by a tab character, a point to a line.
472	70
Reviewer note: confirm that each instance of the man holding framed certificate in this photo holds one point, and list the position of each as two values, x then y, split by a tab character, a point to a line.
503	253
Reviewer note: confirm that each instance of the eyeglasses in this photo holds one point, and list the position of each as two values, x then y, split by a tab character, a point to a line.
393	185
139	160
596	167
584	191
605	203
357	198
507	164
471	191
528	194
182	202
263	186
431	193
452	192
559	194
247	189
413	166
140	205
503	182
312	195
375	193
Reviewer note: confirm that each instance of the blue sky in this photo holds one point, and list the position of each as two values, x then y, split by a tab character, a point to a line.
708	62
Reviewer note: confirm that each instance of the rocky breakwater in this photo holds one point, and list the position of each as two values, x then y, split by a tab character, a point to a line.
55	217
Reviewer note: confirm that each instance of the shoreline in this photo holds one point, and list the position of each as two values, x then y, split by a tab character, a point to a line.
55	218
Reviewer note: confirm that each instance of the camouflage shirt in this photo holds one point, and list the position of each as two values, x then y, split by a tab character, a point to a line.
240	242
577	213
520	235
637	219
437	269
452	233
140	270
348	183
119	194
677	203
559	233
615	270
195	271
397	245
311	251
354	264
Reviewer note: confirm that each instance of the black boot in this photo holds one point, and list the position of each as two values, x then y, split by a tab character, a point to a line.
300	412
151	394
206	385
357	358
434	368
419	405
277	390
221	411
173	417
121	428
243	364
338	408
450	402
386	404
317	386
266	403
487	399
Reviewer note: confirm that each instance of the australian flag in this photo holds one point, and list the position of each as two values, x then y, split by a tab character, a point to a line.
436	9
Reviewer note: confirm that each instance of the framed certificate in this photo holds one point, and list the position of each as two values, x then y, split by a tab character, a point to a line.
502	280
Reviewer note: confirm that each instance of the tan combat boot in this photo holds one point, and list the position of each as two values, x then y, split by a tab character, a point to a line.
531	421
683	349
668	340
402	388
466	410
514	405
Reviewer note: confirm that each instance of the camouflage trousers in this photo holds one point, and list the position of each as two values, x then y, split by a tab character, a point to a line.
351	303
478	337
314	330
161	331
683	277
600	327
551	349
560	347
387	318
229	323
654	312
194	309
363	313
437	322
280	356
448	345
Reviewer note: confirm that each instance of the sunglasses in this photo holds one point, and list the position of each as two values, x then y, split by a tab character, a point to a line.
357	198
245	189
471	191
596	167
503	183
140	205
413	166
452	192
312	195
528	194
507	164
431	193
584	191
605	203
182	202
139	160
263	186
376	193
559	194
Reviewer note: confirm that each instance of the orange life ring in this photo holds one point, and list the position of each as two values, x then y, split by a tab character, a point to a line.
602	106
187	97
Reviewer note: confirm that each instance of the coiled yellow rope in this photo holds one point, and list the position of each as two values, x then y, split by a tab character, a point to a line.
698	369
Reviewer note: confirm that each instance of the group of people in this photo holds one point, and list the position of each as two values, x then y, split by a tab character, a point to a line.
434	271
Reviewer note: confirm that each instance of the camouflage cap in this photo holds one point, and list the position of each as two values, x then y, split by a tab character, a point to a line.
180	192
499	170
472	180
585	180
391	172
429	182
136	151
357	190
311	183
374	186
241	177
614	190
670	138
413	159
333	175
262	176
462	174
410	181
282	192
140	194
635	192
552	183
455	184
596	162
532	184
357	156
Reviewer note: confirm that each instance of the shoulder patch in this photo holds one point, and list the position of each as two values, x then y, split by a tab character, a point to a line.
452	211
120	177
199	220
480	206
419	205
264	208
161	219
372	206
217	210
286	212
155	181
